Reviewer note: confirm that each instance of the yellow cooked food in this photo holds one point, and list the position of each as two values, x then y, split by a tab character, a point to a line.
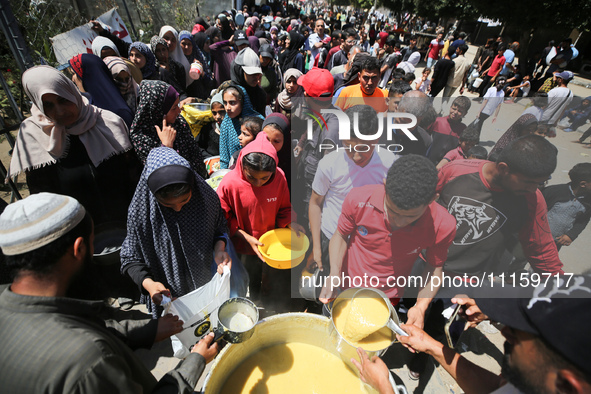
294	368
358	319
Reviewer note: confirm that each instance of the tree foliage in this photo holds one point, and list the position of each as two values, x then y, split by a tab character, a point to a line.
523	14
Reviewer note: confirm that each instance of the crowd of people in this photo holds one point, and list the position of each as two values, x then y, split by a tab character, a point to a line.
116	138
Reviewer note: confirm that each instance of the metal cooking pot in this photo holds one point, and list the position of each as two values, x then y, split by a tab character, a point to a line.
305	328
237	318
310	285
345	348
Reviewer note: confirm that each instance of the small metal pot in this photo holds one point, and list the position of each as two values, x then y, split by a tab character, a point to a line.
346	349
237	318
310	285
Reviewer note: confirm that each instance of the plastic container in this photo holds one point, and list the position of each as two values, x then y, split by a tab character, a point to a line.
283	249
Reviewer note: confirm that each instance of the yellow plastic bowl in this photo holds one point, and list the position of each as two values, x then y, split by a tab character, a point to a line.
283	249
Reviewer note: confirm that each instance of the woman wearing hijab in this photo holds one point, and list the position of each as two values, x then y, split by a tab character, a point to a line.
200	25
225	27
158	122
524	125
291	57
171	36
202	41
123	80
201	87
169	70
254	43
68	146
277	128
143	58
175	230
104	47
222	56
230	128
292	91
247	72
252	26
96	80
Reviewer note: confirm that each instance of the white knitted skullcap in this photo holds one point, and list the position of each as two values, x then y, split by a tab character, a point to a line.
36	221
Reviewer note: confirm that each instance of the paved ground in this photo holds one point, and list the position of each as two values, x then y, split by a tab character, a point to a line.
485	348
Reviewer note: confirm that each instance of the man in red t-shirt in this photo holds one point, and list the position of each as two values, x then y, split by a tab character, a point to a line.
382	231
494	202
491	73
384	35
435	48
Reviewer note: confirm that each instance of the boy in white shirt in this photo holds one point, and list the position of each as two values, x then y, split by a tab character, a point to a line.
492	102
357	163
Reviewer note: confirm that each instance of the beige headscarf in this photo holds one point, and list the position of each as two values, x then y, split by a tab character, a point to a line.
284	98
41	142
129	91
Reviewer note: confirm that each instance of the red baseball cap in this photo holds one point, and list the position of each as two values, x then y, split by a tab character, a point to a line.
318	82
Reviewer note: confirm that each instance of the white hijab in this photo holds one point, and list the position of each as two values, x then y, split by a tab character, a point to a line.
100	42
178	55
41	142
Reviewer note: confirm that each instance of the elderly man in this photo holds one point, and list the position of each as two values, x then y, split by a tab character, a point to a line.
55	344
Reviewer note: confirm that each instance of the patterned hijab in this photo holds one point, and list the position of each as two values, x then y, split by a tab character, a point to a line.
42	142
177	55
197	54
128	90
150	113
230	129
149	71
185	238
514	132
98	82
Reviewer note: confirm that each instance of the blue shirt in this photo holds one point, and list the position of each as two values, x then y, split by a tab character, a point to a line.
509	57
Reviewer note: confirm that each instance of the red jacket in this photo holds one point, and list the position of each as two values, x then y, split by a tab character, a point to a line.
255	210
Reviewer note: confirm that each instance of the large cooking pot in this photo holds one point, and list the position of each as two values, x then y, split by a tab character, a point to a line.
346	349
284	328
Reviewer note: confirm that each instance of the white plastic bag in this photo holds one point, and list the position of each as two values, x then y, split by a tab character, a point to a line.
198	310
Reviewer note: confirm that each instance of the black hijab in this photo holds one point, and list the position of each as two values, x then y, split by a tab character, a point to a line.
200	21
226	28
296	42
200	40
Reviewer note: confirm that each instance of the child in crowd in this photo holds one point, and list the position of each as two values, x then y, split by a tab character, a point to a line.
249	129
276	126
251	126
477	153
238	106
469	138
424	84
569	205
338	173
395	93
255	199
209	137
446	130
521	90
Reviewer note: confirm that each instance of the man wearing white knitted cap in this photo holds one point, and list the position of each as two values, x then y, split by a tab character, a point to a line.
54	344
